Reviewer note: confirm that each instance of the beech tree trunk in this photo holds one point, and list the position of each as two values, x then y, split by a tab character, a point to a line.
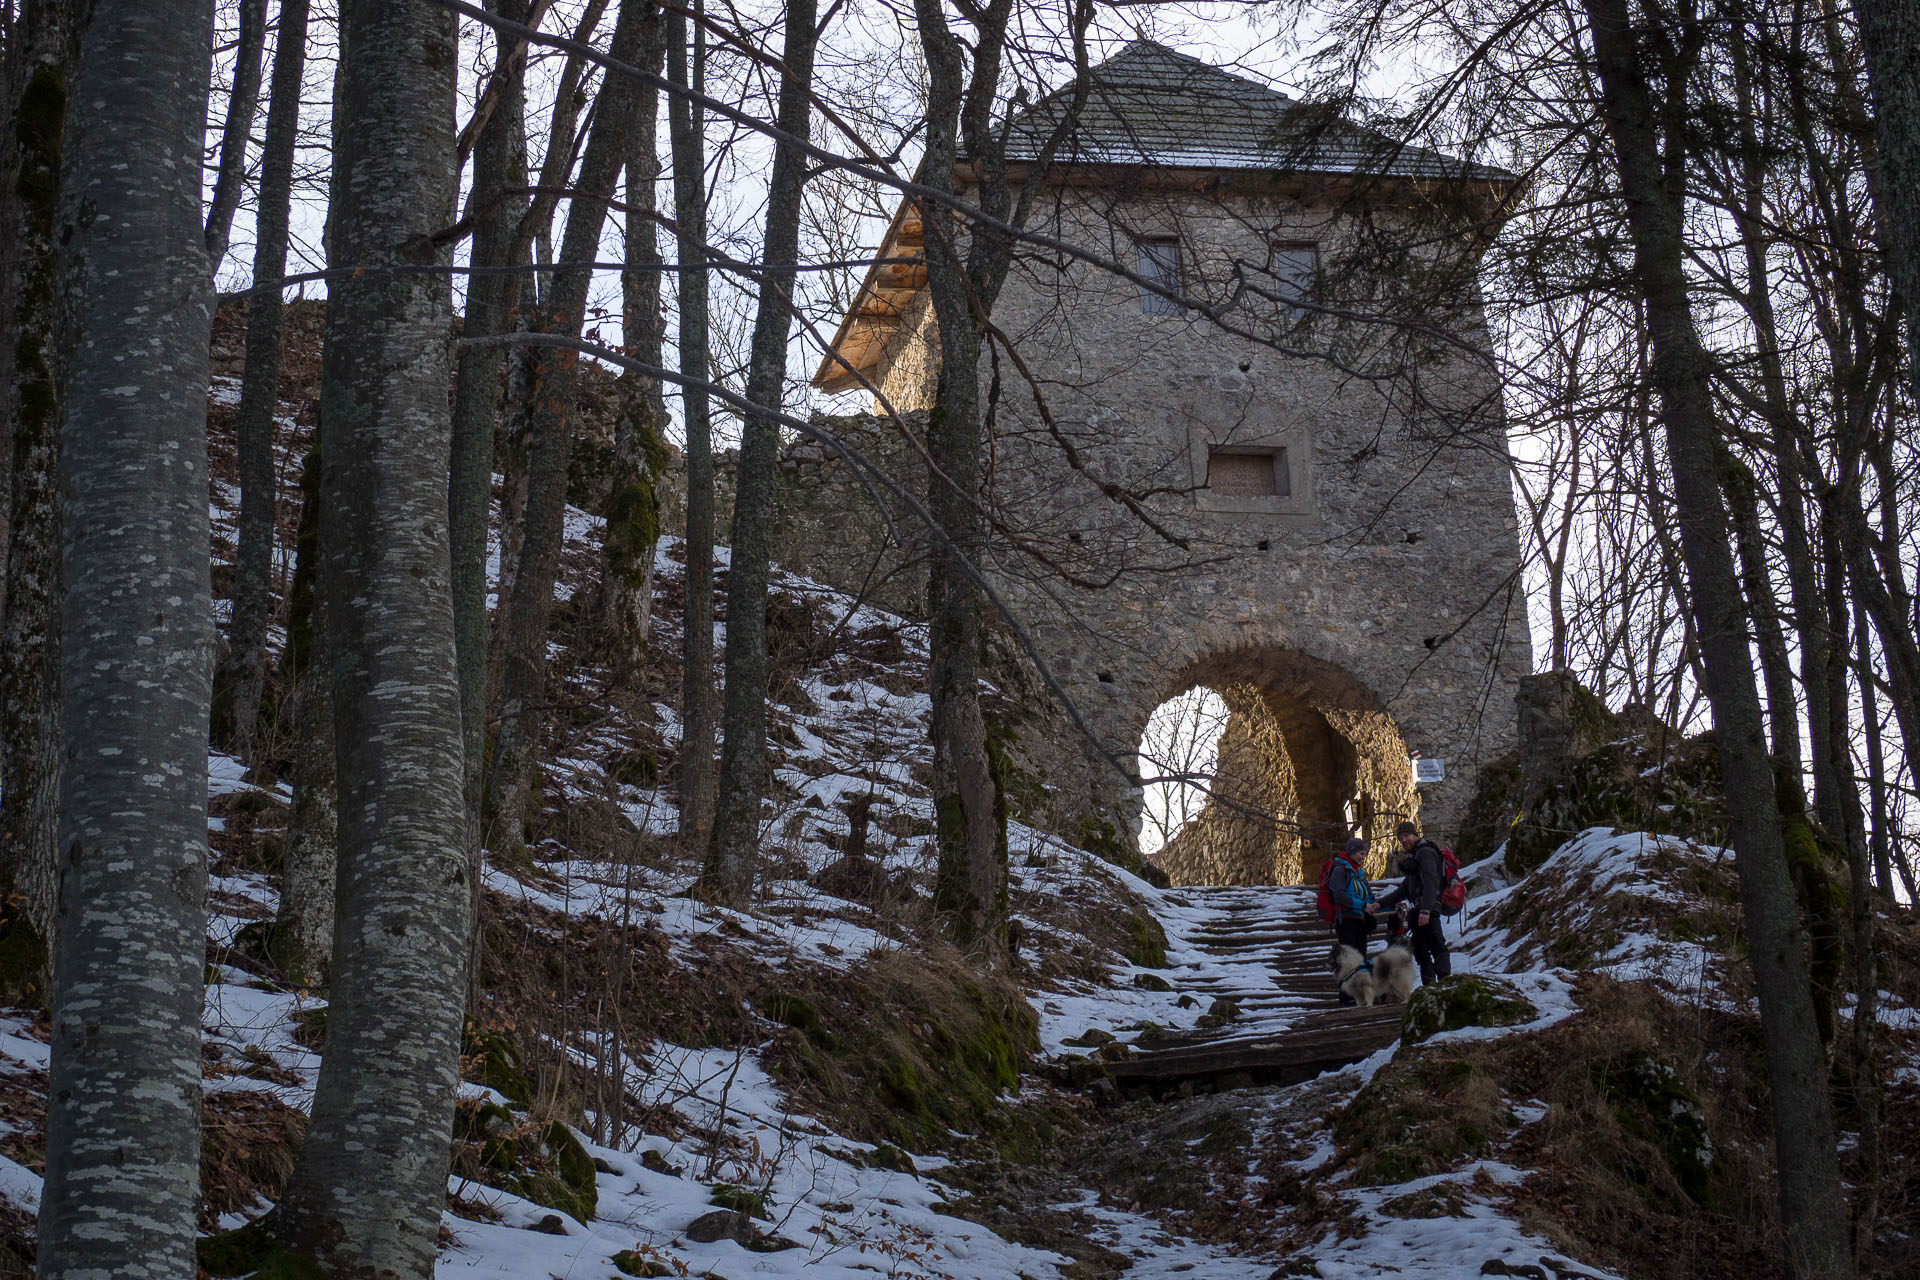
551	389
30	638
302	941
639	445
1813	1207
230	178
687	136
366	1193
123	1113
734	852
260	388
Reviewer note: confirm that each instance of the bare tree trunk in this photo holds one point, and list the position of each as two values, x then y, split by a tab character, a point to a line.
531	236
686	133
1783	709
1878	586
302	941
1866	980
551	386
639	447
1813	1208
30	640
1890	35
965	271
366	1193
1784	431
136	663
970	883
498	168
1876	756
732	856
260	388
231	176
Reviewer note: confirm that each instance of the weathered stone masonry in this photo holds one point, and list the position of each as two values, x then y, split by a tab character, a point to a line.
1345	576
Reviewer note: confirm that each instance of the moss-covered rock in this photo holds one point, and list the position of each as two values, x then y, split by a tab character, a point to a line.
631	1262
1418	1119
1146	941
1464	1000
1583	765
1652	1101
540	1161
1099	837
491	1058
906	1051
728	1195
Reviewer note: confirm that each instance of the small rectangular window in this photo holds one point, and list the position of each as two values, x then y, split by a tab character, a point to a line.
1294	269
1247	474
1160	262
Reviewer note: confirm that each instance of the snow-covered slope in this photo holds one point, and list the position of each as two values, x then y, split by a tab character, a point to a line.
788	1061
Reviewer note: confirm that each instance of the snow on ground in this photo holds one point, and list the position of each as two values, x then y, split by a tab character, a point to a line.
860	728
1585	882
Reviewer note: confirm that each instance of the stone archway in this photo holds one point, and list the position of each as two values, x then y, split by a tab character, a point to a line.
1308	758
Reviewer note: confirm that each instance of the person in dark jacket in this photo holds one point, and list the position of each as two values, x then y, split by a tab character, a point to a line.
1424	875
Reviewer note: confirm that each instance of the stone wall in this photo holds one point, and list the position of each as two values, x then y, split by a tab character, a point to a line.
841	523
1379	590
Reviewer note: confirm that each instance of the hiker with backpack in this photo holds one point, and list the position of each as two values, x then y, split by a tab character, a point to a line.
1431	885
1346	899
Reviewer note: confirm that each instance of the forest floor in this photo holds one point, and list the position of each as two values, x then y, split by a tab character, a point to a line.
816	1087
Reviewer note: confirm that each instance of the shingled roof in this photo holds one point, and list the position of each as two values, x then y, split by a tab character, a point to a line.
1151	105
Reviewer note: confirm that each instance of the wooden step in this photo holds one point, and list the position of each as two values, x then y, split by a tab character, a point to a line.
1288	1057
1267	952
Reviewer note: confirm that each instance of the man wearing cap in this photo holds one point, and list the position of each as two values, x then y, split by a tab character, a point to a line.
1425	875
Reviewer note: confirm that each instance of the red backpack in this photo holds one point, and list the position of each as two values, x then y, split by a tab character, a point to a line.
1324	898
1453	891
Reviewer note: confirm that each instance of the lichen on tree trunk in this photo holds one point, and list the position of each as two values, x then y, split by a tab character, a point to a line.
136	659
369	1185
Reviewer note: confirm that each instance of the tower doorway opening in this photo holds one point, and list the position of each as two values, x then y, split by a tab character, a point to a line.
1262	765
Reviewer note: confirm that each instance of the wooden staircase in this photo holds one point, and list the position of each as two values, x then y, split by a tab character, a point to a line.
1265	949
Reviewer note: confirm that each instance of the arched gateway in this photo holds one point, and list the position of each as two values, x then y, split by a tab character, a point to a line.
1307	757
1341	571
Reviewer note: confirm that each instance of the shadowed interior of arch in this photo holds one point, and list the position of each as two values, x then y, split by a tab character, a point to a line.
1275	759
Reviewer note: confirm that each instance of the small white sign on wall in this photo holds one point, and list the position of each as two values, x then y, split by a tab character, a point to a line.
1429	769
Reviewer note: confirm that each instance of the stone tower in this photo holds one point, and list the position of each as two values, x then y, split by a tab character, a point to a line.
1338	559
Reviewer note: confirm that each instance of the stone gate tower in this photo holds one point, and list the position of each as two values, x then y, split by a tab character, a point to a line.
1332	550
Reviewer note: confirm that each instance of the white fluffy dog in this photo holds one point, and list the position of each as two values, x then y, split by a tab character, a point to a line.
1393	971
1350	971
